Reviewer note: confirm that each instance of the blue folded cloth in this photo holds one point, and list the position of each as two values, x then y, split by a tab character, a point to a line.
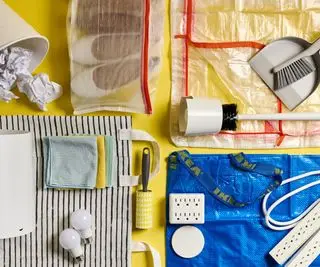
70	161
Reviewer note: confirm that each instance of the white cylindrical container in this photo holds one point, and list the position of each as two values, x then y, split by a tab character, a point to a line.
17	184
200	116
14	31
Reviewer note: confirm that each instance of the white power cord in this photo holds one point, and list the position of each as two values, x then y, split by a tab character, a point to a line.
285	225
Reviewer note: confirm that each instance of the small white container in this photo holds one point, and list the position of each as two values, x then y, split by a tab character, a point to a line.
200	116
14	31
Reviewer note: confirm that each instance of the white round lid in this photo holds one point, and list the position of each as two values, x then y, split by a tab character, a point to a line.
187	242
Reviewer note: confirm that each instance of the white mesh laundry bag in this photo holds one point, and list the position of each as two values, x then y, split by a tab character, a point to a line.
115	52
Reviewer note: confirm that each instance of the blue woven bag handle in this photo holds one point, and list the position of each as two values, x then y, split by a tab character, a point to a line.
240	162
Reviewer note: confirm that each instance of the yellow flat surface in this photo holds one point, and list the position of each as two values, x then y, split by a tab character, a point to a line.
49	18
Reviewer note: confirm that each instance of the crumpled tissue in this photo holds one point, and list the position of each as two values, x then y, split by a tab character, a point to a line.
14	64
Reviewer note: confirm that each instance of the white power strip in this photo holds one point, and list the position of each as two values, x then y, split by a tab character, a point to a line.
307	254
186	208
306	228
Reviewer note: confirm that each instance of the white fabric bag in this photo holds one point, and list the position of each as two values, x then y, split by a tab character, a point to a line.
111	208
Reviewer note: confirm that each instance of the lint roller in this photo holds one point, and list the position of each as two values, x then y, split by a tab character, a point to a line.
201	116
144	196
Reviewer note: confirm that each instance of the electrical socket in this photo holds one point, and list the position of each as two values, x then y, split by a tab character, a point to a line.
298	236
186	208
307	253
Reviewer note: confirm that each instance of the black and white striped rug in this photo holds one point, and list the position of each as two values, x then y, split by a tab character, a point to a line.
111	207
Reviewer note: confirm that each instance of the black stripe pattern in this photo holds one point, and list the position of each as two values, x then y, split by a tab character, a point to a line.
110	207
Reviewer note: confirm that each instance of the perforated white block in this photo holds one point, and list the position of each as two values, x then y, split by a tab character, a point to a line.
307	254
307	227
186	208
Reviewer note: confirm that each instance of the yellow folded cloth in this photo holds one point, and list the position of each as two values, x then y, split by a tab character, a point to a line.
101	173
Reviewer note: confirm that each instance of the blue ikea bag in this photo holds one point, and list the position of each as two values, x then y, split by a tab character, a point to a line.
235	234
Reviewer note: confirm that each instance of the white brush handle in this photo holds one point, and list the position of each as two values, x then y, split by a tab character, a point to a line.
314	48
304	116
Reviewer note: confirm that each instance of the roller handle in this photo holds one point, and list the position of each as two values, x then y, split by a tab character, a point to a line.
304	116
145	168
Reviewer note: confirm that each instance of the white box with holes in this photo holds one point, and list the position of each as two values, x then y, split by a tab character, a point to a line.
186	208
303	236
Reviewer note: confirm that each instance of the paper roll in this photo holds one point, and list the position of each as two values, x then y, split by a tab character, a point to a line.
144	210
200	116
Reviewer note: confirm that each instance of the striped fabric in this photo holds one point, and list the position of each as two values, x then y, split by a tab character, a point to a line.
111	207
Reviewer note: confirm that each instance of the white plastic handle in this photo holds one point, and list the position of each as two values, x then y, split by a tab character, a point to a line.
304	116
138	135
144	247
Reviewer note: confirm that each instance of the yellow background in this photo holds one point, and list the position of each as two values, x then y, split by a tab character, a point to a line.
49	18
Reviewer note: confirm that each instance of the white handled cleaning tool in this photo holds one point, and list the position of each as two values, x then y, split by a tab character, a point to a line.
200	116
295	68
303	116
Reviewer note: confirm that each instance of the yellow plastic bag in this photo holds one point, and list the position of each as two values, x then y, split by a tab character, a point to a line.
212	41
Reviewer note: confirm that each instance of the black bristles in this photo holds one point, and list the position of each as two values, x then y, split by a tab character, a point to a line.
292	73
229	121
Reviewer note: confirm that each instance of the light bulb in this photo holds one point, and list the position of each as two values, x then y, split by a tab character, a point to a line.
70	239
81	221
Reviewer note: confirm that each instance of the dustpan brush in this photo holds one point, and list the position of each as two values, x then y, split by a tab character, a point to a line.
295	68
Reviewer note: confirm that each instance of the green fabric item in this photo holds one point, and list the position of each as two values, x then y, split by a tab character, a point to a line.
70	161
